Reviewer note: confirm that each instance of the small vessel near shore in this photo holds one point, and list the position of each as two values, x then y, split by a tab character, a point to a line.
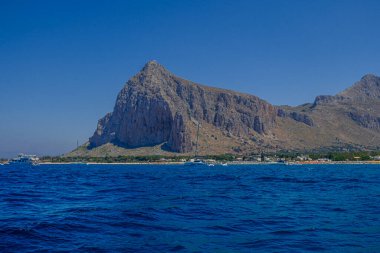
23	159
196	161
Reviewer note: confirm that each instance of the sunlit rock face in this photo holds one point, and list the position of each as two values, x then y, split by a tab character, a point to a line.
156	107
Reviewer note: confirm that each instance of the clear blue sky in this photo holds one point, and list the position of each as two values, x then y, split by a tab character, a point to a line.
62	63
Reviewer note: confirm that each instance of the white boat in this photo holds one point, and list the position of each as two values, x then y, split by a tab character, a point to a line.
224	164
22	159
195	162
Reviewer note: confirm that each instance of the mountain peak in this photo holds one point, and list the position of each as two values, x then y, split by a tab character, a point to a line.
152	63
367	88
369	77
153	67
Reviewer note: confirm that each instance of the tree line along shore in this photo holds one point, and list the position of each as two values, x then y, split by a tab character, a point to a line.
312	158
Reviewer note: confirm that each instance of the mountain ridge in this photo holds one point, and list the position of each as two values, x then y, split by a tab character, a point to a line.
158	108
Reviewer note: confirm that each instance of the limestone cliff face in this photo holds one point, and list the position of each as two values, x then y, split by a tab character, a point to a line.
156	106
300	117
179	138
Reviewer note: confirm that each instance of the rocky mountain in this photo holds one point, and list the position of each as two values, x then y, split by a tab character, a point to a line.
158	113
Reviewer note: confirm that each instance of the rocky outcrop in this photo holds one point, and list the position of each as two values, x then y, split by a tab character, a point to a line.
326	99
155	106
300	117
365	120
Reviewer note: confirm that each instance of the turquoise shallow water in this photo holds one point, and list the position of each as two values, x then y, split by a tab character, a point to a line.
150	208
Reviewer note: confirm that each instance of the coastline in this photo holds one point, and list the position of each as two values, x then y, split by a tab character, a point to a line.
229	163
214	163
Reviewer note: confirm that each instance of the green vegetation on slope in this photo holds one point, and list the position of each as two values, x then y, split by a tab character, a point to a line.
333	156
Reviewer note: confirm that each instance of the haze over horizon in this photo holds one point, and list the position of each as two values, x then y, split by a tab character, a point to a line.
63	63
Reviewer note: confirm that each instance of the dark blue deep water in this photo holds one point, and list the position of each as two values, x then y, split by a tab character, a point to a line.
150	208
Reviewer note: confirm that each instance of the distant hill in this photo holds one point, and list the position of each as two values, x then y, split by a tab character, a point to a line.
158	113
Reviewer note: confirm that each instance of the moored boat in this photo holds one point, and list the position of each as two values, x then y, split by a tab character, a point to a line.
196	161
23	159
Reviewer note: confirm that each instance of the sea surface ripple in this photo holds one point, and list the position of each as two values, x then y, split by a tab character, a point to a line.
173	208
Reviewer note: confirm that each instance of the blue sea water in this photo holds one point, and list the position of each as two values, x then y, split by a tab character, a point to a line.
173	208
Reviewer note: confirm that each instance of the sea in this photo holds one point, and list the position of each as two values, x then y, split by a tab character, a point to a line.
175	208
